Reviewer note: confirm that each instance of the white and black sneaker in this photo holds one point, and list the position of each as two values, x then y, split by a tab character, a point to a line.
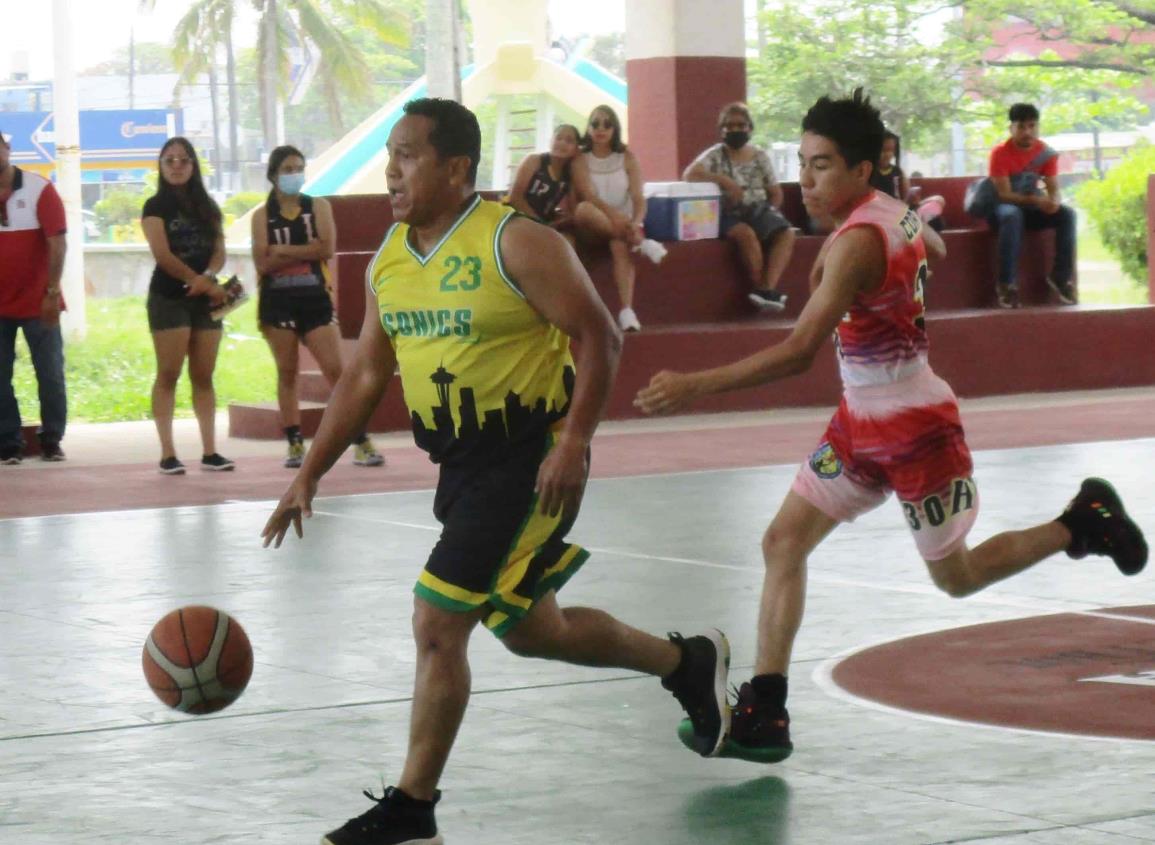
767	299
396	819
171	466
216	462
1065	290
699	684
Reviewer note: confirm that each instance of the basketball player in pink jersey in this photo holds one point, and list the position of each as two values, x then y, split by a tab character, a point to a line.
896	429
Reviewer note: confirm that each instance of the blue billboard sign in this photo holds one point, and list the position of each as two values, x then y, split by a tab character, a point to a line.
106	136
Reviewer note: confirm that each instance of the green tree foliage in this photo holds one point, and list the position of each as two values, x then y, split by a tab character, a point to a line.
816	47
118	208
1117	205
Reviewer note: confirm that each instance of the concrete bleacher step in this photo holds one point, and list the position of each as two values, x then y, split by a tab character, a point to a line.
981	352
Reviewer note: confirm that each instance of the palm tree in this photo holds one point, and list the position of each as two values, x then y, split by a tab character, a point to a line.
342	68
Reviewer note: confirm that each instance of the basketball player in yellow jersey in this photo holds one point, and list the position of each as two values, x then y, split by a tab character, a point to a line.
477	304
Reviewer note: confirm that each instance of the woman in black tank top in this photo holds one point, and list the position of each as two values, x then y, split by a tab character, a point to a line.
544	180
293	239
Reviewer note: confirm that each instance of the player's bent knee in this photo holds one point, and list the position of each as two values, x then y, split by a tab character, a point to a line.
952	578
782	549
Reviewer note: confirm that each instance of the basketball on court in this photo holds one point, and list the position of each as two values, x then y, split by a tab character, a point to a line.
197	659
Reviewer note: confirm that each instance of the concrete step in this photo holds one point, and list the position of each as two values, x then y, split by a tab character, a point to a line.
981	352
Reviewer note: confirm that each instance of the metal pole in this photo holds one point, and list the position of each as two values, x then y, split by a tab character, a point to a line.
66	118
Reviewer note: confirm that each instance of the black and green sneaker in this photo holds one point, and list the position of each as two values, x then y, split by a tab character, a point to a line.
758	732
1099	525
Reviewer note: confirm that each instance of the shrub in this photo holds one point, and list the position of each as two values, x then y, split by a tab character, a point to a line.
1117	205
240	203
119	208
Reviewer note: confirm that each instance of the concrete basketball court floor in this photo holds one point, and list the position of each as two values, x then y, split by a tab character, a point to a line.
1026	716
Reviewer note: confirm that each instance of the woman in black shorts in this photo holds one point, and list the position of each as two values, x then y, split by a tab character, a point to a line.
293	239
183	228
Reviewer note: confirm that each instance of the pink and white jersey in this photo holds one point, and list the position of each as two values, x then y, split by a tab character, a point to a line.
882	338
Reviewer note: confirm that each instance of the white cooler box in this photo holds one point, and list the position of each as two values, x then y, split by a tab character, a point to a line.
682	211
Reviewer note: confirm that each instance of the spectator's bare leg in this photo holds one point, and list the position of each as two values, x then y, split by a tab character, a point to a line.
171	346
623	271
777	257
592	222
202	360
325	344
283	345
750	250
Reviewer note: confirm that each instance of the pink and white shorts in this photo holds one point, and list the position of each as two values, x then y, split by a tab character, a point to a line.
904	437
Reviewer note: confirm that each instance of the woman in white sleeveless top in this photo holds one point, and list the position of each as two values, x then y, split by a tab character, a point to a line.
612	212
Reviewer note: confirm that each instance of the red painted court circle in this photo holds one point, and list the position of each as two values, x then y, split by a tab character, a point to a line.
1091	674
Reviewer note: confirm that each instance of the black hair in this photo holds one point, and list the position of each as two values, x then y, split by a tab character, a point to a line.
577	133
455	131
277	158
194	200
736	107
852	123
587	141
1023	111
891	136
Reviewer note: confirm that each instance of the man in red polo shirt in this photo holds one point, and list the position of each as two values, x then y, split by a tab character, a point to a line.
32	244
1016	167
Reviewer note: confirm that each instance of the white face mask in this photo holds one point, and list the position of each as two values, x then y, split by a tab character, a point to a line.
291	183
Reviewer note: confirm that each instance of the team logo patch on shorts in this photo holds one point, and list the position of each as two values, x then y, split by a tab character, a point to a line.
825	463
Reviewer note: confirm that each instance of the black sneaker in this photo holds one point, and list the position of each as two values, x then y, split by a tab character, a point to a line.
1065	290
759	733
767	300
216	462
699	684
396	819
1008	296
171	466
1100	526
51	452
11	456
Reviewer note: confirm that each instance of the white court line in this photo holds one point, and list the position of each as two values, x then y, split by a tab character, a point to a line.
823	677
1035	607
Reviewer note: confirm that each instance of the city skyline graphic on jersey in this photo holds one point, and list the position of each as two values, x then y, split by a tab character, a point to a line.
512	422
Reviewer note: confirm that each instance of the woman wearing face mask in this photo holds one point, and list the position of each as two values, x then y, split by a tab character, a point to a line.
293	239
751	199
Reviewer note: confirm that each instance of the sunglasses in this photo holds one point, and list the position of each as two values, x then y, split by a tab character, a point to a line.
176	161
601	124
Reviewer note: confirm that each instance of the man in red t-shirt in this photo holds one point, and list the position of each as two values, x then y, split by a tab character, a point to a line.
1017	166
32	244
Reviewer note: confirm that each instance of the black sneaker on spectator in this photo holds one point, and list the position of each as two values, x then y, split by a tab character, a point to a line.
396	819
51	452
10	456
768	300
1065	291
171	466
216	462
1008	296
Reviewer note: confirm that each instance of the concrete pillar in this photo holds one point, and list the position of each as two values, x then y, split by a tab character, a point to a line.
66	122
685	59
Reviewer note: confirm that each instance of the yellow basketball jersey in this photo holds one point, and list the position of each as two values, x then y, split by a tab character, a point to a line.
481	369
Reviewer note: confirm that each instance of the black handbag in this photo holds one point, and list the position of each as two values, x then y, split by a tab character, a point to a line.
982	197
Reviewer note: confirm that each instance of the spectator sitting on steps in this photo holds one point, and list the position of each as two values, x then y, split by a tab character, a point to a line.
751	199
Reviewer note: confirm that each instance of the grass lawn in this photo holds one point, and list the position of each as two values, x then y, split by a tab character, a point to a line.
1101	281
109	374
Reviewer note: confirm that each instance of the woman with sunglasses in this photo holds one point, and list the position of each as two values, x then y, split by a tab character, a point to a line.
613	210
293	239
182	224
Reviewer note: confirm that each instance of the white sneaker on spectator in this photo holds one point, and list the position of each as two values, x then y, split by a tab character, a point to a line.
768	300
652	250
628	320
